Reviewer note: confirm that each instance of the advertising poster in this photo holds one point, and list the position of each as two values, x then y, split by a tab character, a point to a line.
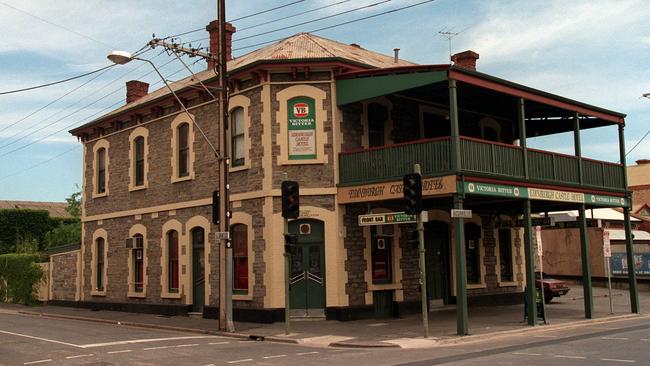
301	128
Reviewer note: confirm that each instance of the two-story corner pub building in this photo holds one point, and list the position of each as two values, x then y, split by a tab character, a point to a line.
346	123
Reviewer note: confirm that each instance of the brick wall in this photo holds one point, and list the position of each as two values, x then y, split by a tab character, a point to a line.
64	276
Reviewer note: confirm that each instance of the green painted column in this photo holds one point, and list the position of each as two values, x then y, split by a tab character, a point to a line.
461	271
521	114
586	268
631	273
576	143
453	119
530	266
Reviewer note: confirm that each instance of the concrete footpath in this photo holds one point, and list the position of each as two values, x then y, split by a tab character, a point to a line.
404	332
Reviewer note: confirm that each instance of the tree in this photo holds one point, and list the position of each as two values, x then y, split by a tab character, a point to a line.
74	203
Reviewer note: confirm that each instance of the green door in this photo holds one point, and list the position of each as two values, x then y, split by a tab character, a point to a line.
436	236
307	274
198	269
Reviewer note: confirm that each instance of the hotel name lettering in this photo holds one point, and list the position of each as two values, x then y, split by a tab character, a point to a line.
393	190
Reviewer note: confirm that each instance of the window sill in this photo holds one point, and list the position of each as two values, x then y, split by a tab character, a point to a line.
473	286
97	293
138	188
140	295
302	162
385	286
171	295
242	297
182	179
100	195
238	168
507	284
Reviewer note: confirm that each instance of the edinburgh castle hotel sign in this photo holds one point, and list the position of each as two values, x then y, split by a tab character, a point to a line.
393	190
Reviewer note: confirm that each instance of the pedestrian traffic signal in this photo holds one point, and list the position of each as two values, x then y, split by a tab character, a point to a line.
290	199
413	193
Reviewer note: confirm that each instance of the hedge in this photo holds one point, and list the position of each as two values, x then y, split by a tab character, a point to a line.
18	226
20	275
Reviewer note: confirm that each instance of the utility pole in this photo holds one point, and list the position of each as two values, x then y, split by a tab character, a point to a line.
225	253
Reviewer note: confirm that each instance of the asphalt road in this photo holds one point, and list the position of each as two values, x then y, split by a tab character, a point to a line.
28	340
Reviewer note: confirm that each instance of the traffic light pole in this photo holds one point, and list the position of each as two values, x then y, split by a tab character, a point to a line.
287	268
423	268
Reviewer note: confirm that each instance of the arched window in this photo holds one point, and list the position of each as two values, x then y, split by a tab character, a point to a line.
184	150
172	260
138	167
240	257
99	264
138	267
237	128
101	170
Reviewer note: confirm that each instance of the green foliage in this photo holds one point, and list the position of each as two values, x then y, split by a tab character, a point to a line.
19	277
19	226
74	204
65	233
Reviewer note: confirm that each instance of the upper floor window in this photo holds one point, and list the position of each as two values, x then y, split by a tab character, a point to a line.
237	128
184	150
139	161
377	116
101	170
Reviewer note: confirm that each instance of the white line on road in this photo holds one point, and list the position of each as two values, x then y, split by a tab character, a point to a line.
39	361
142	341
545	336
617	360
645	339
79	356
572	357
244	360
122	351
274	356
213	343
615	338
40	339
187	345
306	353
152	348
526	354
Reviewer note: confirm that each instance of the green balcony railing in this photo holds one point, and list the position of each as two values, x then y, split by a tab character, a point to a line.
392	162
478	157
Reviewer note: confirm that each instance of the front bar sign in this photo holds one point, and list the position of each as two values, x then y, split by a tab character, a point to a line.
301	127
386	219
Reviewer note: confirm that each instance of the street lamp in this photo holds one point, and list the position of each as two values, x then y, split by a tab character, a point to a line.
646	95
124	57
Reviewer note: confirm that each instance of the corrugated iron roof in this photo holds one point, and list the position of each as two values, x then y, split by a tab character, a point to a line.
55	209
301	46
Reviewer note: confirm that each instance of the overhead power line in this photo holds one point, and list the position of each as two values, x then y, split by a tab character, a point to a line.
341	24
314	20
293	15
56	82
639	142
57	25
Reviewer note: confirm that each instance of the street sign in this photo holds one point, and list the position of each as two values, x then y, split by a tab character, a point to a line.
607	248
386	219
222	235
538	240
461	214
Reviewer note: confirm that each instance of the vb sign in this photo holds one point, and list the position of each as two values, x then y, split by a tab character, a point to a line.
538	240
607	248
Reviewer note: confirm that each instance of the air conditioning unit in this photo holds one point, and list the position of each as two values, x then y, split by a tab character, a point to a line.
305	229
135	243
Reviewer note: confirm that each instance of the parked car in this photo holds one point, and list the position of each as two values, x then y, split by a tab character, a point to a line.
552	288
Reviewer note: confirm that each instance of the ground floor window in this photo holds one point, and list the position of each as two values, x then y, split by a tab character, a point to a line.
505	255
172	260
240	257
473	253
138	265
99	264
381	254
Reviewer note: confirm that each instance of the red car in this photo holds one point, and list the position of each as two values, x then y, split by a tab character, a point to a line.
552	287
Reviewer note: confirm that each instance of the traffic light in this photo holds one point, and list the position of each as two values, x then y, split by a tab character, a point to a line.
216	209
290	200
413	193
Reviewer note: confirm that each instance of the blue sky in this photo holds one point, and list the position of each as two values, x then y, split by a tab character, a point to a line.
593	51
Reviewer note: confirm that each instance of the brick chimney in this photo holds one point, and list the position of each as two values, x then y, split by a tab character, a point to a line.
135	90
466	59
213	29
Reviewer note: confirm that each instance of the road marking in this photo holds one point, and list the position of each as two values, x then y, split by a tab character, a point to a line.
244	360
615	338
526	354
40	339
122	351
306	353
79	356
39	361
645	339
572	357
213	343
617	360
545	336
275	356
187	345
151	348
92	345
211	364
